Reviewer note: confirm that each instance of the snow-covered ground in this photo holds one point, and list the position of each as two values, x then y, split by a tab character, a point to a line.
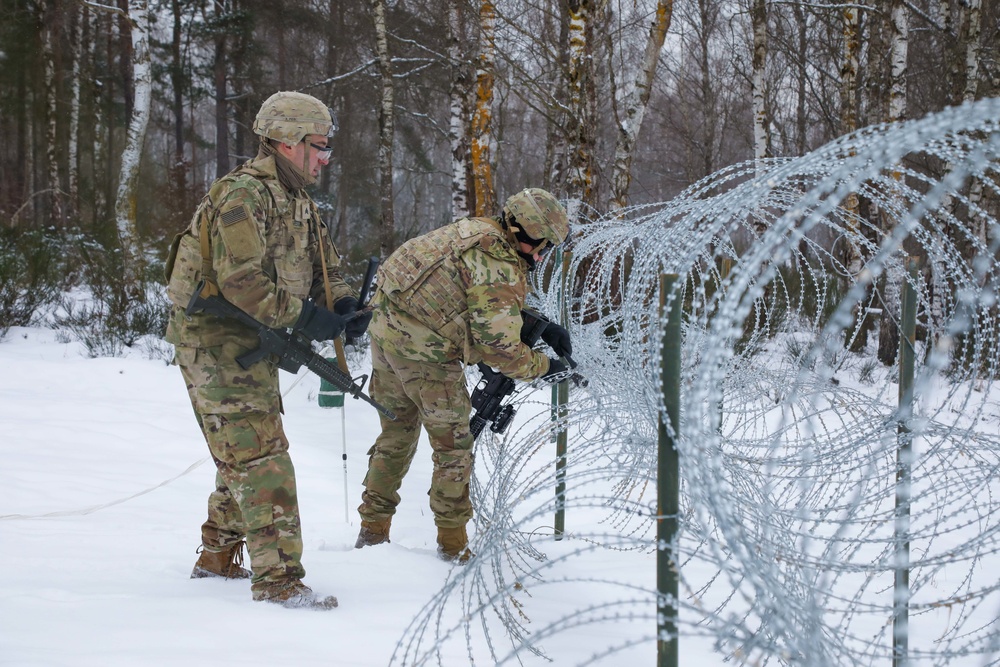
105	479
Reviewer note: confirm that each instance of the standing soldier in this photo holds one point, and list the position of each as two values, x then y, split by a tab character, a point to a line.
445	300
258	237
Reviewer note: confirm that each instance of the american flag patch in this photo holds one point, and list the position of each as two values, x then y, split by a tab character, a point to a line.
234	215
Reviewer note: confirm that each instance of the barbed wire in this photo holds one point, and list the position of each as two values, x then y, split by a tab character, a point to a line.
791	274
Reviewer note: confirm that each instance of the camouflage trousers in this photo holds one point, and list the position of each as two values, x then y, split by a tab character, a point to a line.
255	496
434	395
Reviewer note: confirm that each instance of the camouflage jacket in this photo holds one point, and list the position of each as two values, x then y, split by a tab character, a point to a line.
456	293
265	256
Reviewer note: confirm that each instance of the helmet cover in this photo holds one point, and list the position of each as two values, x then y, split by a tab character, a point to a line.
290	116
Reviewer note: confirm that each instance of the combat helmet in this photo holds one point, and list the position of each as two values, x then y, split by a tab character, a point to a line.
289	116
539	215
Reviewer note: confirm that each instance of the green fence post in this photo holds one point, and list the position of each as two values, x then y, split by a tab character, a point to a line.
904	468
668	480
560	402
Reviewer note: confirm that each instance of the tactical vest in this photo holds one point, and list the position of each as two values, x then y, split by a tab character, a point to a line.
423	277
289	248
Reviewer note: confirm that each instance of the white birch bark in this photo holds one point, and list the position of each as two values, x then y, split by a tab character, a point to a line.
51	136
386	123
579	168
849	119
898	47
73	147
972	16
125	203
458	127
636	101
758	15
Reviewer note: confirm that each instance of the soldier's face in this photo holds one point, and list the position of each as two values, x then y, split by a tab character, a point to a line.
311	159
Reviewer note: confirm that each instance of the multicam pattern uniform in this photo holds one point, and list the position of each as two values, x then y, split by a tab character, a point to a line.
447	298
265	256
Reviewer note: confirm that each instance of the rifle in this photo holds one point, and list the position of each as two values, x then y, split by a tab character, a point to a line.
494	387
366	286
293	350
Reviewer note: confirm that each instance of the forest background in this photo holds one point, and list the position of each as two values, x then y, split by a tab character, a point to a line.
117	117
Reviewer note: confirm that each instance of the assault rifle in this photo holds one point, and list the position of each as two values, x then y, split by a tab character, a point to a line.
293	350
366	285
494	387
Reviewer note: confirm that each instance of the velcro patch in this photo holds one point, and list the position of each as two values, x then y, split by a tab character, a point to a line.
234	215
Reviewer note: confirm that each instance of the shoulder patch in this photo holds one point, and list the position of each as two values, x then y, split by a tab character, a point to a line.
234	215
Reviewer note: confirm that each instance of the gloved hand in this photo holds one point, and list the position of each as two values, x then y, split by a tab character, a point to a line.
557	371
356	327
557	338
318	323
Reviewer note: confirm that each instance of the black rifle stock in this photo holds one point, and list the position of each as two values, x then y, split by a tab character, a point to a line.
494	387
292	351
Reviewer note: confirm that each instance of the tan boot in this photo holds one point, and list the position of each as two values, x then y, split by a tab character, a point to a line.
452	545
372	533
227	563
294	595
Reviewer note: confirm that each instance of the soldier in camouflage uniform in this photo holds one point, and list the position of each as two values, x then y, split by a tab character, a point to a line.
257	237
446	300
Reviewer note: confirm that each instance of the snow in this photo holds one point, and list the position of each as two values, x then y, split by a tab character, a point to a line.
106	478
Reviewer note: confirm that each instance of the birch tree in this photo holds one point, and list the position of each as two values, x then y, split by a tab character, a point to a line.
899	32
582	114
459	121
630	121
758	15
386	126
125	203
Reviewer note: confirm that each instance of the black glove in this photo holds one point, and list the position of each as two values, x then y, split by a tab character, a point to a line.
556	368
318	323
557	338
356	327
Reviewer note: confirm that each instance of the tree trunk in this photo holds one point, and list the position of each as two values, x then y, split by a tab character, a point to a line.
758	14
898	46
125	204
635	104
459	125
73	140
221	104
386	126
581	107
52	39
482	116
801	79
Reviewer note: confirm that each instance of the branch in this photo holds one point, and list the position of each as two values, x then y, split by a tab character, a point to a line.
108	8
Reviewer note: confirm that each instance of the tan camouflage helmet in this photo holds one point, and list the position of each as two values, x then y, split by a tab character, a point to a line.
538	214
289	116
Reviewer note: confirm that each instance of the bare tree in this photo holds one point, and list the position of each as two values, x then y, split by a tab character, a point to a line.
459	120
758	15
482	116
386	125
125	204
630	121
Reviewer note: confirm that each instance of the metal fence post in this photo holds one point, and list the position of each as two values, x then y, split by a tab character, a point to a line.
560	402
904	468
668	479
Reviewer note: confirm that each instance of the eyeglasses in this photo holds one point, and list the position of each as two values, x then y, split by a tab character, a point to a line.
324	151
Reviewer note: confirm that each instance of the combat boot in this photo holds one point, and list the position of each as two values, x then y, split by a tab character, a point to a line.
294	595
227	563
372	533
452	545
